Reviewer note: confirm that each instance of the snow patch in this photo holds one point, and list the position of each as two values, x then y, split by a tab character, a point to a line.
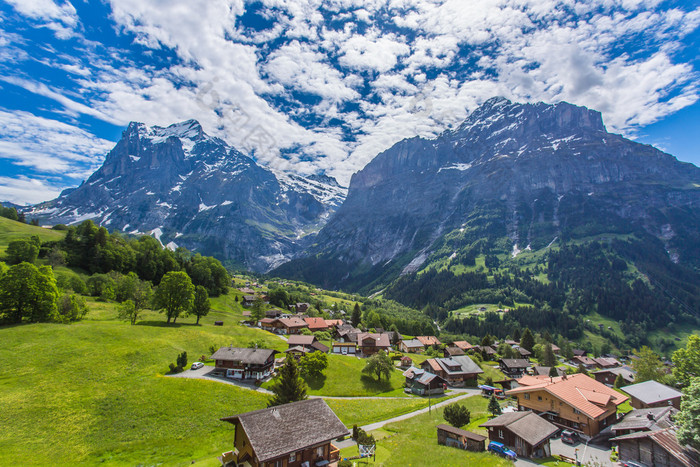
204	207
171	246
134	158
226	203
460	167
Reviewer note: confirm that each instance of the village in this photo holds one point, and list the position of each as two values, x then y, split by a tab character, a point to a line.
578	410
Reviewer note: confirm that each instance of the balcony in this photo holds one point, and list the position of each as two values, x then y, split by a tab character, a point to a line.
334	454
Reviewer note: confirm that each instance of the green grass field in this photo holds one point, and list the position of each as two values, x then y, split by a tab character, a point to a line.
95	391
11	230
413	442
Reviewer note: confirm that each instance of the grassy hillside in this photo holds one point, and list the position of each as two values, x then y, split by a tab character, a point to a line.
12	230
95	391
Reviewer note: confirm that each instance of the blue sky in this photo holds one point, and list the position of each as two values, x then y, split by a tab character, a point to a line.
323	86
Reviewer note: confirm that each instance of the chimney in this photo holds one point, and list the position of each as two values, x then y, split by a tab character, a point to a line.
650	416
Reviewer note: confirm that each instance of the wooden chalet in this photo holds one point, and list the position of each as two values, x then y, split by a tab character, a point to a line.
369	343
464	345
423	382
428	340
659	447
526	433
652	419
309	343
587	362
344	348
457	371
653	394
606	362
244	363
248	300
411	346
298	434
452	351
450	436
316	324
292	325
514	367
576	402
609	375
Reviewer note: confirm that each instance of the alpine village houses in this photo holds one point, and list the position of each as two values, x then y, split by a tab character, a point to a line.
297	434
238	363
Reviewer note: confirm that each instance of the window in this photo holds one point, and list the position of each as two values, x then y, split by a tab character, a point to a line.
576	411
293	457
539	398
319	451
526	396
500	434
279	464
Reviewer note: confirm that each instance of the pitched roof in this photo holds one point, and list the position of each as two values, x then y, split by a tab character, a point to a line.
515	362
464	364
579	391
255	356
544	370
527	425
299	339
646	419
584	360
464	345
606	362
411	343
380	340
281	430
460	432
434	365
316	323
428	340
651	391
666	438
454	351
626	372
426	377
293	322
334	322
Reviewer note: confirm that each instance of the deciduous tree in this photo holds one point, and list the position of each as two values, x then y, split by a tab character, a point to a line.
379	364
201	305
648	366
174	295
313	364
28	292
687	361
688	418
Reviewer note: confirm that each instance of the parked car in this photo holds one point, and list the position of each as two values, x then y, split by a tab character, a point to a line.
570	437
197	365
632	464
502	450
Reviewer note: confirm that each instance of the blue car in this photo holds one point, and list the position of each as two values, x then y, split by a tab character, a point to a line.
502	450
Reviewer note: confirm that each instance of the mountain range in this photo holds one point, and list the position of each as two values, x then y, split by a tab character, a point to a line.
189	189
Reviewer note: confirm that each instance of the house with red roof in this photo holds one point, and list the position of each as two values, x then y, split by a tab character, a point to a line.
316	324
428	340
577	402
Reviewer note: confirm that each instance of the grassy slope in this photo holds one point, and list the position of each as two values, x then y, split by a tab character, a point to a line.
95	392
414	442
11	230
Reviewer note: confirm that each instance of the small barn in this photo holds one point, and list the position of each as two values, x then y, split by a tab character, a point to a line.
457	438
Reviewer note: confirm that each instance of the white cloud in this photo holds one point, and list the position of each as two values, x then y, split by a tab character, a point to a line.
24	190
49	146
372	52
60	18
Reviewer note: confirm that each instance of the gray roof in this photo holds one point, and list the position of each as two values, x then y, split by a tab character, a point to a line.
544	370
279	431
626	372
651	391
646	419
529	426
298	339
465	363
666	438
515	362
426	378
413	343
255	356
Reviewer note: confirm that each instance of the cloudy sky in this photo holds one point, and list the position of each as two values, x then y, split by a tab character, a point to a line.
323	86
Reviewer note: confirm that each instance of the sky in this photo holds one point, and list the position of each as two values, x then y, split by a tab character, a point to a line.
324	86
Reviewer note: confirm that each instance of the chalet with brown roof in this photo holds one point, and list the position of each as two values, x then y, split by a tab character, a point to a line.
369	343
524	353
423	382
293	435
524	432
555	349
659	447
309	343
577	402
428	340
316	324
652	419
457	438
587	362
606	362
452	351
344	348
332	324
292	325
244	363
457	371
302	307
464	345
248	300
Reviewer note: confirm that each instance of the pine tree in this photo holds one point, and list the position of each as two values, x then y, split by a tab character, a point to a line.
288	387
549	359
619	381
527	342
456	415
356	316
494	407
553	372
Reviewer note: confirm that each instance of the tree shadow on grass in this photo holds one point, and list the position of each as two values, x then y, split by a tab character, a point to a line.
315	382
163	324
371	384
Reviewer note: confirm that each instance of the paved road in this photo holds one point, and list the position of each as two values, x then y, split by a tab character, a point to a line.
587	454
205	373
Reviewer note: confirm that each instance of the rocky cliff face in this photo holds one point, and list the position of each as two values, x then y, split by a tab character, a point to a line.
531	173
189	189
